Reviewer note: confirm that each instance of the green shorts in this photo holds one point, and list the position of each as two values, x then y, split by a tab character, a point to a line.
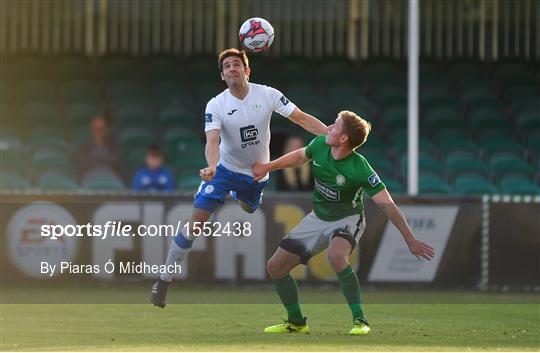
312	235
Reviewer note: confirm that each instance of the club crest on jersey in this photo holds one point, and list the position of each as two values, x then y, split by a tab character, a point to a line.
374	179
340	179
209	189
257	107
284	100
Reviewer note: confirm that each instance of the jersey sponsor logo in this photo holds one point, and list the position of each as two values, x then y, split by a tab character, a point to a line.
340	179
327	192
207	118
316	164
374	179
248	135
284	100
232	112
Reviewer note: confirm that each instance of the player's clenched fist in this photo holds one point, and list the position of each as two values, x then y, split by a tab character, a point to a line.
207	173
259	170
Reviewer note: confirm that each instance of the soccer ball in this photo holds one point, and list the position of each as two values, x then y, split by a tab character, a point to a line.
256	34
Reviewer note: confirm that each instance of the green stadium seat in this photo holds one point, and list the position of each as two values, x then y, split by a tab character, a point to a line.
533	141
14	161
78	67
483	118
40	138
81	91
507	71
134	158
103	183
137	136
132	115
169	93
456	155
394	186
518	185
126	92
175	115
471	95
443	118
295	72
13	180
473	185
434	185
188	182
390	95
56	181
52	159
28	67
165	68
80	114
523	91
505	162
440	102
395	117
42	113
36	90
121	67
373	141
384	167
464	165
425	163
529	119
524	104
10	144
500	144
189	146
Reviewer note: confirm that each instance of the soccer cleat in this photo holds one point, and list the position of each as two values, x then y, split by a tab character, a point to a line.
243	205
159	293
360	327
287	327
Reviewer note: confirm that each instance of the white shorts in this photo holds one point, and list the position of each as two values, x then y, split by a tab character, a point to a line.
312	235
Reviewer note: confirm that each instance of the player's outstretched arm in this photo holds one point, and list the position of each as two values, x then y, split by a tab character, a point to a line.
308	122
211	152
291	159
387	205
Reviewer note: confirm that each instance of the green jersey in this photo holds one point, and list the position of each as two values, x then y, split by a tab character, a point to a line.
339	183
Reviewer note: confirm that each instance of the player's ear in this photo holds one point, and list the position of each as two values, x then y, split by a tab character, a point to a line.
222	77
247	71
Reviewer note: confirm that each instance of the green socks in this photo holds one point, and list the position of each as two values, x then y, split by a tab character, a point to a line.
350	287
288	293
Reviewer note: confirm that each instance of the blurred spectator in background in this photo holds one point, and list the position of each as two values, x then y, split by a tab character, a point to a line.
102	153
294	179
154	177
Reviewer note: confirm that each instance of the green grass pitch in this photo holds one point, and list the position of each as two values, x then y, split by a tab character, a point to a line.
401	321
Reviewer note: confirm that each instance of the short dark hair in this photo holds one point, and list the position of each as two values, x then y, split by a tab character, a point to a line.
155	151
232	52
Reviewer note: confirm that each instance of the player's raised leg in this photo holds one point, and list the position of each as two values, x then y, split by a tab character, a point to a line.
279	267
338	257
178	251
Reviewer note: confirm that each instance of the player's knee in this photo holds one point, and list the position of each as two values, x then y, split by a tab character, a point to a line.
273	268
337	260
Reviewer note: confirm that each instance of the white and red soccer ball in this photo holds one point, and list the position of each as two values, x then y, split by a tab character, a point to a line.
256	34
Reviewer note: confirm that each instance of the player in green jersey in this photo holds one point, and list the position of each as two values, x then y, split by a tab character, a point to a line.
337	220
